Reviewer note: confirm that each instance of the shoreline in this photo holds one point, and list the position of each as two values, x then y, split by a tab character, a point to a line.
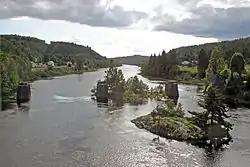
190	82
10	103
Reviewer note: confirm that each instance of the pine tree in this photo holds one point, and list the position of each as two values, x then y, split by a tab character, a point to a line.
237	64
215	110
216	64
203	61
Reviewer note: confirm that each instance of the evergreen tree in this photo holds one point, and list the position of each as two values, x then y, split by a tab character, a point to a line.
215	109
216	64
115	79
203	61
213	119
237	64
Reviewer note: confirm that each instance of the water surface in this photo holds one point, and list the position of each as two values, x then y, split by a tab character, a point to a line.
64	128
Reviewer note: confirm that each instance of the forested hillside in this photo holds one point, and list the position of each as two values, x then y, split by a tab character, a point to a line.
228	48
17	53
132	60
166	64
59	52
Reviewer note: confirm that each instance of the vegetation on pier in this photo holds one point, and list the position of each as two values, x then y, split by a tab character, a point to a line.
132	90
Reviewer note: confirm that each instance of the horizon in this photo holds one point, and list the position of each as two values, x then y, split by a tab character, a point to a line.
119	28
48	42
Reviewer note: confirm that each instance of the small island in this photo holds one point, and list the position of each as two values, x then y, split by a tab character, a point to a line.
207	129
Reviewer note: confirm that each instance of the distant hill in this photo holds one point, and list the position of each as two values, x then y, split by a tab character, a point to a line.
228	48
59	52
132	60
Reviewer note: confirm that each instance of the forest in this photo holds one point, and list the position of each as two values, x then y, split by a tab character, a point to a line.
18	52
131	60
226	67
228	48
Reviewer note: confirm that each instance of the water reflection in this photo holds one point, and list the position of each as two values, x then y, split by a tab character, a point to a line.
212	158
79	77
24	108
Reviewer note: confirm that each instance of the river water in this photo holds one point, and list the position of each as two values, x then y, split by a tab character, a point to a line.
64	128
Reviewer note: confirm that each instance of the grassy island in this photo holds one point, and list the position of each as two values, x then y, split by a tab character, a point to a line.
207	129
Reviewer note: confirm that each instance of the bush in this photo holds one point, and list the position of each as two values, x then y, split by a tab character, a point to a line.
234	86
247	84
246	96
169	109
225	73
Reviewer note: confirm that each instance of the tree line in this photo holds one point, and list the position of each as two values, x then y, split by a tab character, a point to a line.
227	48
230	75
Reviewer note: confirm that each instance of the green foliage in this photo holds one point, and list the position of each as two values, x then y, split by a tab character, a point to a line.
13	69
115	80
59	52
248	69
17	52
203	61
216	64
234	86
214	109
137	60
131	91
190	53
247	82
169	109
79	63
164	65
246	96
136	86
45	74
225	73
237	63
190	69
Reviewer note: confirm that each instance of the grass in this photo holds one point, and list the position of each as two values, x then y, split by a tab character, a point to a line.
248	68
184	120
192	69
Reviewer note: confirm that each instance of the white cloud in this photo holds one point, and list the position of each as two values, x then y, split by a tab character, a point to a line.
109	42
125	27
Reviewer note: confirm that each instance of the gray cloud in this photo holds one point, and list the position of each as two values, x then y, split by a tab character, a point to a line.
206	21
89	12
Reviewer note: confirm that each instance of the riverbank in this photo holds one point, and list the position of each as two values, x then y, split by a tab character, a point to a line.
49	74
41	74
194	81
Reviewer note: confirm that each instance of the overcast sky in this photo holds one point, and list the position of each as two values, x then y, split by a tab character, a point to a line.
125	27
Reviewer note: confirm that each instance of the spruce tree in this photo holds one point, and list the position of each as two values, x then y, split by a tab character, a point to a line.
237	64
203	61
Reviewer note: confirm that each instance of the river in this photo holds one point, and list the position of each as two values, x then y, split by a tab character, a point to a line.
63	127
